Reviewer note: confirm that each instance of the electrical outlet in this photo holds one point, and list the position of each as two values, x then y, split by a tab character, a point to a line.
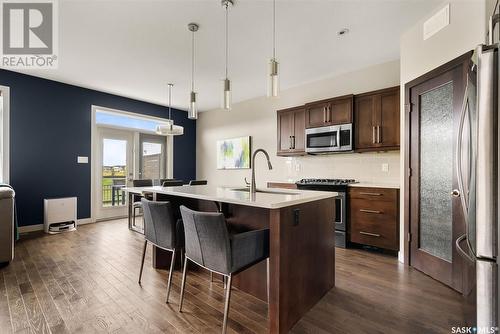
385	168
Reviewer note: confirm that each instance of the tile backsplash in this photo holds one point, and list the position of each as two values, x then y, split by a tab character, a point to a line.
364	167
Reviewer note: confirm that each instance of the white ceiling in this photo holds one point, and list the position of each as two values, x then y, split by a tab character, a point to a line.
134	48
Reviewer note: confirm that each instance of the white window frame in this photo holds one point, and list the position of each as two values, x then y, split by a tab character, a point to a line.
94	142
5	134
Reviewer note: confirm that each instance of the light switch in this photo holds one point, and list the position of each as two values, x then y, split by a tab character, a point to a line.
385	168
82	160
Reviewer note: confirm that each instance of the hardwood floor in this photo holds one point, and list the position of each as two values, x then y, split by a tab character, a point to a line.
86	282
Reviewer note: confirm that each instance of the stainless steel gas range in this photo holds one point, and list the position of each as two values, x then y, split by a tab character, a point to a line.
341	217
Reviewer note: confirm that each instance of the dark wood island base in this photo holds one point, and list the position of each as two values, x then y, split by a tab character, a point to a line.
302	254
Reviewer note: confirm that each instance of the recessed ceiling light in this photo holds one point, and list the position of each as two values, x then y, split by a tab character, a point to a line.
343	32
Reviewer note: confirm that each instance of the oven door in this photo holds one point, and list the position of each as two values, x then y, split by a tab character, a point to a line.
324	139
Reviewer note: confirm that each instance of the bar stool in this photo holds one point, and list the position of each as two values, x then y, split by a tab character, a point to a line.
137	205
173	183
209	245
198	182
163	231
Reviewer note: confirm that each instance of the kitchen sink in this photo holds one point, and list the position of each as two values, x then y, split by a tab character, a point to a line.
277	192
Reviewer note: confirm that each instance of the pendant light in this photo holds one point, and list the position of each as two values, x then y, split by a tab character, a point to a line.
169	129
193	108
226	93
273	88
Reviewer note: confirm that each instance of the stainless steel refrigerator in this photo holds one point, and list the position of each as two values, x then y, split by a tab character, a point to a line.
478	169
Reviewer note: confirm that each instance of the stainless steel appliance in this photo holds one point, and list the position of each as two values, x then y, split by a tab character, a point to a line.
477	171
340	186
329	139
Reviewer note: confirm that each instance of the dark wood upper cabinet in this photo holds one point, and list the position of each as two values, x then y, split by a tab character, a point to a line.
329	112
291	131
376	120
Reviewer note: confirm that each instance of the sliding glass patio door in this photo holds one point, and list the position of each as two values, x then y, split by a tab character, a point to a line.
114	171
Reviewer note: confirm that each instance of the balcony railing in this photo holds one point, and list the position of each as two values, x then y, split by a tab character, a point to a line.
112	194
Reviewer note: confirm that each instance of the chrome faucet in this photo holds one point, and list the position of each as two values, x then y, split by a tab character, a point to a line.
253	187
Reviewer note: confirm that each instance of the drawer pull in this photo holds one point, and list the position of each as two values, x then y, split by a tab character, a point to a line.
370	211
370	234
370	194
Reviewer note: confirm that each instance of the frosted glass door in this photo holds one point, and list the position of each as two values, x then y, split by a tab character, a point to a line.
436	171
435	213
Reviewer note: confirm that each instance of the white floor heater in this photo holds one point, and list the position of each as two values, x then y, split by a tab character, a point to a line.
60	215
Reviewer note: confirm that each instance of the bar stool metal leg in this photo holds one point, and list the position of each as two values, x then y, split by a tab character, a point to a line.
211	277
183	284
226	306
172	264
143	257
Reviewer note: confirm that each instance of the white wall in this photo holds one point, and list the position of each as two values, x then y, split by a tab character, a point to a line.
466	30
257	118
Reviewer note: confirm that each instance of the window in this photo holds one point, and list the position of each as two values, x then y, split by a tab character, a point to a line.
122	120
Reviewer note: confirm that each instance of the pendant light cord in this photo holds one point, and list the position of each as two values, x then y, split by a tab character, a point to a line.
192	64
227	48
170	101
274	29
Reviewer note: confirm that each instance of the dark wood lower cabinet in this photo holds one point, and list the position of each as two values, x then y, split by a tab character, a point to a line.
301	261
374	217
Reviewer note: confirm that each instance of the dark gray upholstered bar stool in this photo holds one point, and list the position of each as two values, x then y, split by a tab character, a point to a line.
198	182
209	245
160	181
137	205
172	183
163	231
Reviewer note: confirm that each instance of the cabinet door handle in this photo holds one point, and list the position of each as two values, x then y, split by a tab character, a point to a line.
373	135
328	115
324	115
379	141
370	211
370	234
293	142
290	142
370	194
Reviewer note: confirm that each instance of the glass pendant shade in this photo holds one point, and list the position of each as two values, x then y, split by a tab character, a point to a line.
226	96
273	85
193	107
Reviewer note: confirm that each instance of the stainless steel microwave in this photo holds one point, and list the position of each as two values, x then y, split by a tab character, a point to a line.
329	139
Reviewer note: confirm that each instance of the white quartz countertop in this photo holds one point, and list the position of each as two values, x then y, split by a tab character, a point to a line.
375	185
270	198
358	184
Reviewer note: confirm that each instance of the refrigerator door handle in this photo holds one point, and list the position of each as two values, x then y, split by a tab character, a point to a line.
458	153
461	250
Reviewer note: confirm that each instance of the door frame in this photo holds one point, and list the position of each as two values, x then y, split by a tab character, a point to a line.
5	140
94	142
459	61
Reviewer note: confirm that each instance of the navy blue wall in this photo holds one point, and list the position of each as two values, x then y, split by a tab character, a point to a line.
50	125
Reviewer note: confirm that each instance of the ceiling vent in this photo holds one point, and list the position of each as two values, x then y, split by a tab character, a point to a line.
437	22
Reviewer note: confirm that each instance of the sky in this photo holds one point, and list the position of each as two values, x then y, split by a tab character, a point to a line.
114	150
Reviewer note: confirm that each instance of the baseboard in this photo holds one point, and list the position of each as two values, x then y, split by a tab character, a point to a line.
84	221
39	227
30	228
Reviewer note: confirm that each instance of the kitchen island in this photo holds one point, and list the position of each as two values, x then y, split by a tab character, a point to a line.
302	242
